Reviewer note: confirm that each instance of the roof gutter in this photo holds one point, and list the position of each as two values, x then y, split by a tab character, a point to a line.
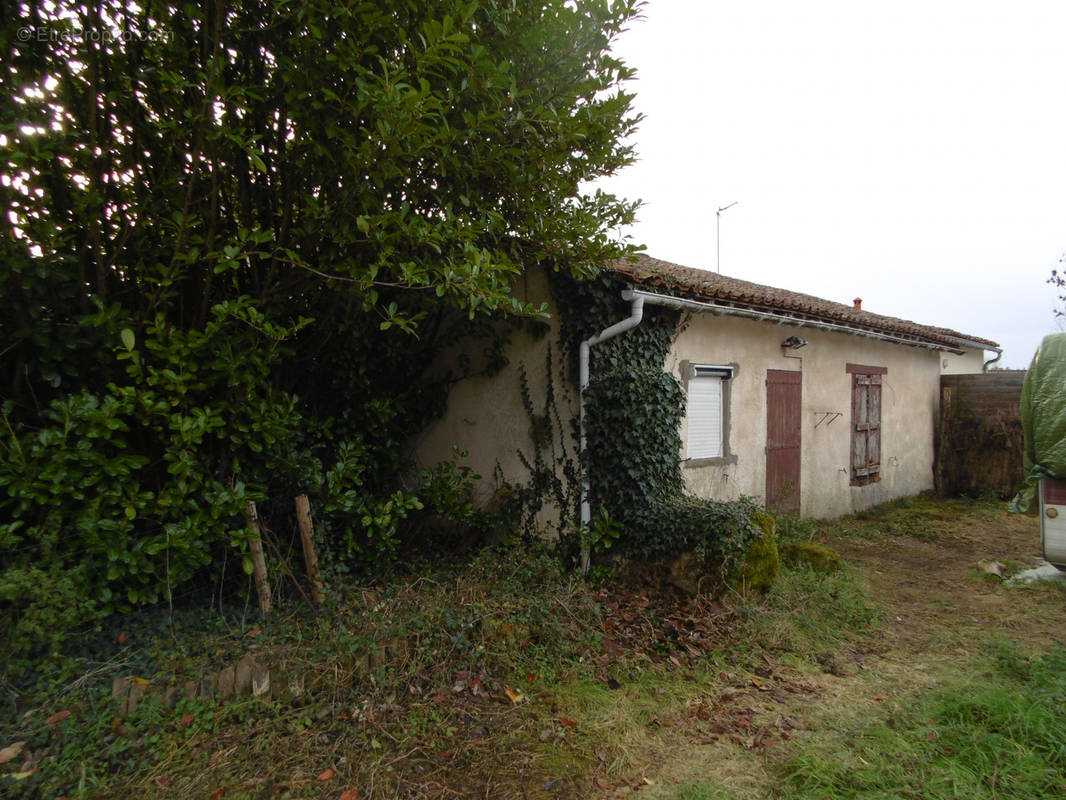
781	319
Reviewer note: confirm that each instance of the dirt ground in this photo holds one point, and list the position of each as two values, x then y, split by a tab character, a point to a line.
939	608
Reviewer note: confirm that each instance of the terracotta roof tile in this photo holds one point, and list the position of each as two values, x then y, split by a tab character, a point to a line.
653	274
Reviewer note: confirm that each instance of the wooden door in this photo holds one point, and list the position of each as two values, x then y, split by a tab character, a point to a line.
784	391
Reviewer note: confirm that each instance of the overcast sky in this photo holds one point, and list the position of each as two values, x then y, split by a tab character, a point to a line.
909	153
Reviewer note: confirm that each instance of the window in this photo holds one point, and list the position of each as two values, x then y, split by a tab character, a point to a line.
865	423
707	411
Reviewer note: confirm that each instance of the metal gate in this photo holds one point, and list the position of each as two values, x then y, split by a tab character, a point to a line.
784	392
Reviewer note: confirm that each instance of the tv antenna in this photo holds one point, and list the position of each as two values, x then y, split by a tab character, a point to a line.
718	234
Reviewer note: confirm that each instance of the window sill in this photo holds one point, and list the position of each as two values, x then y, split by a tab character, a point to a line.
709	462
866	480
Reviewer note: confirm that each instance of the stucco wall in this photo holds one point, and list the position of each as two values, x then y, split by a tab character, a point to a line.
909	403
485	415
969	362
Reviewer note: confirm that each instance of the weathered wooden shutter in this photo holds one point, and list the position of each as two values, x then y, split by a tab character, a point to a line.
704	417
866	434
873	427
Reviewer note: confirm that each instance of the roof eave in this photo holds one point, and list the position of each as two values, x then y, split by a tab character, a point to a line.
803	319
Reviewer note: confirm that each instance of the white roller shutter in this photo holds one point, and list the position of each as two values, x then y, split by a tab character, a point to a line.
704	418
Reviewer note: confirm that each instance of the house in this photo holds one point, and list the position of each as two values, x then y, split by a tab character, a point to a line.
811	406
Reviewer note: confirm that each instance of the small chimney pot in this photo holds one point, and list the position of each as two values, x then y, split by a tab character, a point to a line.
858	303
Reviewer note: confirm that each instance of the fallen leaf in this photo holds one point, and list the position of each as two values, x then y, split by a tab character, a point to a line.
991	567
21	776
569	723
604	785
252	633
162	782
216	795
326	774
349	794
514	697
122	637
880	698
186	720
11	751
58	717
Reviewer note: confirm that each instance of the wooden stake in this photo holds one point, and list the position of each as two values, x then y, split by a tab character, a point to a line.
303	519
255	547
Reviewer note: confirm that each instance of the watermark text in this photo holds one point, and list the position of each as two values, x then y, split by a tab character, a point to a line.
64	34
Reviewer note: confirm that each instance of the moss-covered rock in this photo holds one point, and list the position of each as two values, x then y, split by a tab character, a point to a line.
762	562
816	556
687	572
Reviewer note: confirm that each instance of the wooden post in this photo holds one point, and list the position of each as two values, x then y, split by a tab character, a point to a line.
255	547
303	519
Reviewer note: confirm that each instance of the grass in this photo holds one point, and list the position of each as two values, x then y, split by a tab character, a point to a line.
507	677
808	613
924	517
407	683
998	735
504	673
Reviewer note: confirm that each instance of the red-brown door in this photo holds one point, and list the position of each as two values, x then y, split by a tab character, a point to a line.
783	395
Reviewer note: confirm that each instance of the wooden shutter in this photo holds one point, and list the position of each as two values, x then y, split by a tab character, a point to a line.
866	427
704	418
873	427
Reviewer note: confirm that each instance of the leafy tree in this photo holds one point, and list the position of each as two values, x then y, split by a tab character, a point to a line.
238	233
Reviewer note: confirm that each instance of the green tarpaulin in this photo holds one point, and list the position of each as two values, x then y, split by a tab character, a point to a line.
1043	419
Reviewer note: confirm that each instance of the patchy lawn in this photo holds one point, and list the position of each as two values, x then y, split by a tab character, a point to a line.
508	678
956	650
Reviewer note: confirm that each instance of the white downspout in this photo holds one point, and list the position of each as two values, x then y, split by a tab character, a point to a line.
636	314
991	361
